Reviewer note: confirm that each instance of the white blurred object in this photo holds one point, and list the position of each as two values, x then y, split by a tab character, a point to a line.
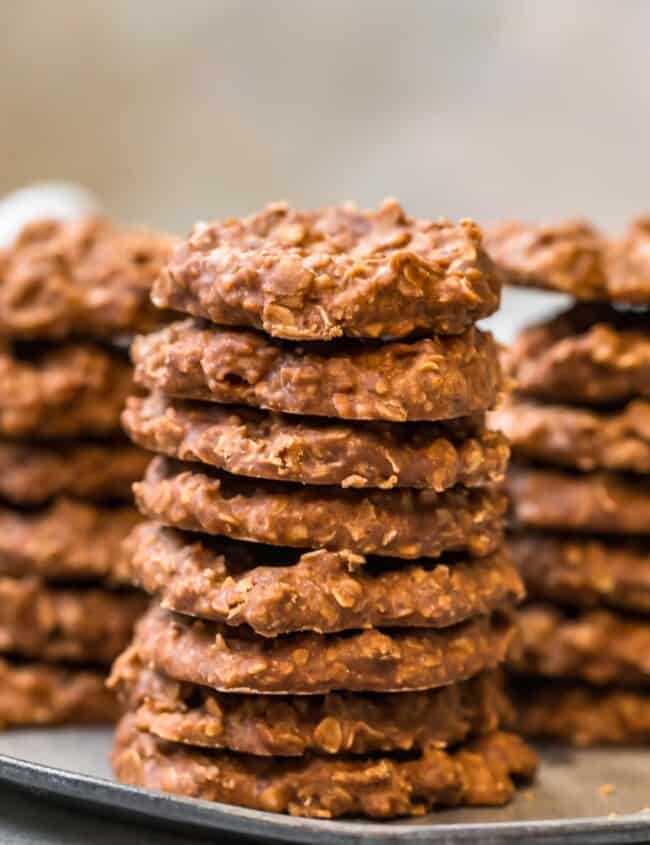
521	307
61	200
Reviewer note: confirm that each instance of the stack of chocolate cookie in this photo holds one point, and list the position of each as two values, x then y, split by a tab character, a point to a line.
325	534
580	429
69	296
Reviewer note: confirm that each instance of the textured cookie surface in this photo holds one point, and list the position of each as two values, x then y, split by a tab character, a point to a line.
77	625
326	787
577	437
340	271
429	379
574	257
37	693
582	715
597	646
583	571
390	660
68	391
85	278
66	540
400	523
278	591
337	723
30	474
599	502
259	444
589	354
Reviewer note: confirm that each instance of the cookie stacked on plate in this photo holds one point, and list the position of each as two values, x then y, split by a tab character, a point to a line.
325	522
580	484
69	297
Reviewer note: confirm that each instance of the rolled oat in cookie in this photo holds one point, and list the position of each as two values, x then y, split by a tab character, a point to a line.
591	354
581	715
318	275
430	379
261	444
290	726
34	693
390	660
85	278
65	540
583	571
53	623
33	473
277	591
599	502
77	389
597	646
401	523
480	773
577	437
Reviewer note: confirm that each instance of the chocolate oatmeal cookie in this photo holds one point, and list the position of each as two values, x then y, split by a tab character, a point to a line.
583	571
428	379
574	257
77	389
66	540
581	715
77	625
578	437
392	660
279	447
592	354
339	271
480	773
277	591
30	473
599	502
400	523
34	693
85	278
596	646
290	726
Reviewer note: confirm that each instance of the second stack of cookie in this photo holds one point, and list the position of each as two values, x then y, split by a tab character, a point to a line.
325	534
70	294
580	483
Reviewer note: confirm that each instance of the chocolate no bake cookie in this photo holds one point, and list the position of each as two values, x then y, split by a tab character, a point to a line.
629	264
581	715
288	726
277	591
34	693
77	389
66	540
480	773
30	473
52	623
578	437
401	523
596	646
279	447
574	257
398	659
599	502
428	379
319	275
591	353
583	571
84	278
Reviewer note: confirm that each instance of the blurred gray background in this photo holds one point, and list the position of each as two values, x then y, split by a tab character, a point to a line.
178	110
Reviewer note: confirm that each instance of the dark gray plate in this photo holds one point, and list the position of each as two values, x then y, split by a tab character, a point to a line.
567	804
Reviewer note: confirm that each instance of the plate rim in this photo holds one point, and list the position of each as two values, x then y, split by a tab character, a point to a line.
180	813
